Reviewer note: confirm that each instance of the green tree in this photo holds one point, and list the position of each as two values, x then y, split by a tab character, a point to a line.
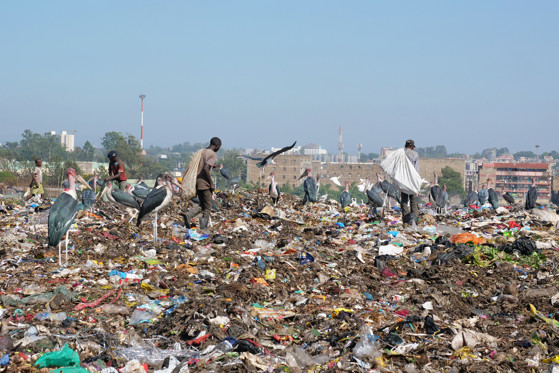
453	181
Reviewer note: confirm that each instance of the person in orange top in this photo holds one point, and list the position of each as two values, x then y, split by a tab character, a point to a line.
117	170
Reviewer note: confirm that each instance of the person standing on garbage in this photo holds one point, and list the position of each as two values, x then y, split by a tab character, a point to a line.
409	201
204	185
117	170
37	181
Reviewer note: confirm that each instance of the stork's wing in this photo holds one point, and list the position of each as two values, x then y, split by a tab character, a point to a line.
278	152
125	199
154	199
253	158
61	216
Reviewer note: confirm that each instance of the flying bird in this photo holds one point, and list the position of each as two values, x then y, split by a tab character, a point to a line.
264	161
63	212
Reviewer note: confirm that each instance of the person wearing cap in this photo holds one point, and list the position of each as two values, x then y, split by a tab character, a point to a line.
117	170
409	201
204	185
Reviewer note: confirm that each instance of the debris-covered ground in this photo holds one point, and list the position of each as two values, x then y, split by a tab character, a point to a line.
286	288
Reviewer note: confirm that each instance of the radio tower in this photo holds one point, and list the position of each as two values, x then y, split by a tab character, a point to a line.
359	147
340	146
142	96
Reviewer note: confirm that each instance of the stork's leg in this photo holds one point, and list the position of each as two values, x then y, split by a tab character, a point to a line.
67	232
155	227
60	253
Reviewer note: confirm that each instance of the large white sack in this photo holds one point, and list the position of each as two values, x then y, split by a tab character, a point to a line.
401	170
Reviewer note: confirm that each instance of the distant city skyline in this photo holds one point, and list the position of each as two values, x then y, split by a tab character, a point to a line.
467	75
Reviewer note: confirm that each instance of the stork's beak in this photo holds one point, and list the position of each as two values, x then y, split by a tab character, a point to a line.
175	182
82	181
267	178
105	190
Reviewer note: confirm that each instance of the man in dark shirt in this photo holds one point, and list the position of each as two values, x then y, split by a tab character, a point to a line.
204	184
117	170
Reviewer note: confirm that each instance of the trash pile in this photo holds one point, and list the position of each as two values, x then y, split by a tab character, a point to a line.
287	288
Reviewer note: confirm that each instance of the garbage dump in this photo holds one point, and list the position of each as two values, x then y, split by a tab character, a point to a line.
289	287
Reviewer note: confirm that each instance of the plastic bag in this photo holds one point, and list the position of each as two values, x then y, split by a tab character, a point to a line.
66	357
366	347
524	245
401	170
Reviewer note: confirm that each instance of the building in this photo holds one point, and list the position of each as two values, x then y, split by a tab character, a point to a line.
505	158
516	178
67	141
88	167
490	154
385	151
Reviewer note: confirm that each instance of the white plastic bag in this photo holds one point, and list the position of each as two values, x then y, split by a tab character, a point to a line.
401	170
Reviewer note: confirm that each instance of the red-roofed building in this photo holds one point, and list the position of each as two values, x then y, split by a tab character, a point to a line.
516	178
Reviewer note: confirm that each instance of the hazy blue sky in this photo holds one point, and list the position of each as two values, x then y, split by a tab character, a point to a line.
466	74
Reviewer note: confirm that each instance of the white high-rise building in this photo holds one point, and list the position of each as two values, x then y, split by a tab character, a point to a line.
67	141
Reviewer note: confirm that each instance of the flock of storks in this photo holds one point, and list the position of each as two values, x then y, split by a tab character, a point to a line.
144	200
139	198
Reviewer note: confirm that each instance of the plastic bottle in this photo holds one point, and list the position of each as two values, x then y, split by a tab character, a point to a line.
176	231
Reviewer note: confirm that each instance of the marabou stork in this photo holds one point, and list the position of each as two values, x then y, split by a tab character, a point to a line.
141	184
509	198
389	188
471	199
493	198
483	195
274	189
310	185
444	197
231	181
121	198
374	197
264	161
158	198
88	195
435	191
63	212
531	196
345	197
140	190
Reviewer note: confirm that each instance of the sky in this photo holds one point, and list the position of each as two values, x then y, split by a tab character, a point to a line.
469	75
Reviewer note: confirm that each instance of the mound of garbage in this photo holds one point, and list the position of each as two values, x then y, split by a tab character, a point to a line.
290	287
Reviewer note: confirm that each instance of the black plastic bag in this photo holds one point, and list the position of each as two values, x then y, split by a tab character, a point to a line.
524	245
